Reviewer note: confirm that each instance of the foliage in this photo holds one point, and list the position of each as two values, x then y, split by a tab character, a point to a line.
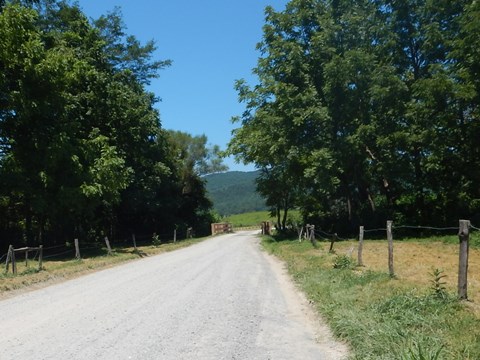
366	111
343	262
82	150
438	285
156	240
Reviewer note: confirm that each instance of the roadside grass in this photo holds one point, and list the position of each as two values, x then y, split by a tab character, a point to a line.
63	269
406	317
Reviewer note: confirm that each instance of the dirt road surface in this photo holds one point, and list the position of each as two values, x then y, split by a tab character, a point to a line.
220	299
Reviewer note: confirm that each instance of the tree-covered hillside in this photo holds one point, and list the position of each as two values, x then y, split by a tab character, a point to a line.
234	192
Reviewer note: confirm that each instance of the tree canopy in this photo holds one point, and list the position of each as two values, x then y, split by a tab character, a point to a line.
366	110
82	150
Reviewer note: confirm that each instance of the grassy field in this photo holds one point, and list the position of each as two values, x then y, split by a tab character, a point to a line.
412	316
60	270
249	219
254	218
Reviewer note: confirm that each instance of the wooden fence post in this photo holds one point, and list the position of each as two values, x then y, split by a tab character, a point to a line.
312	236
109	248
26	257
77	250
332	242
175	235
40	257
134	242
390	248
9	258
464	236
360	246
14	262
300	233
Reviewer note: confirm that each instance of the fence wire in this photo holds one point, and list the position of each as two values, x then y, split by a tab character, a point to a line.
424	227
329	236
474	227
318	236
54	247
59	254
374	230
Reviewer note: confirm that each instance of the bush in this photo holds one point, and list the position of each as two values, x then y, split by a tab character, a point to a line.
343	262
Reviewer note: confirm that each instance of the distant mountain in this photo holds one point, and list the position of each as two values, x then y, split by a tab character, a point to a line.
234	192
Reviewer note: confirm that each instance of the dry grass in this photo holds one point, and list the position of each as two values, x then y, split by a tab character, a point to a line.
385	318
414	262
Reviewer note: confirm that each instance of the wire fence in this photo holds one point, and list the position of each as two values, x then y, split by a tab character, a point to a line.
321	234
69	251
463	231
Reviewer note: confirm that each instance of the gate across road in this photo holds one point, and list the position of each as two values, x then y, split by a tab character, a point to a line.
221	228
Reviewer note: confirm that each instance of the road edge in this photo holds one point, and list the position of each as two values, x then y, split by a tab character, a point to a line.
302	308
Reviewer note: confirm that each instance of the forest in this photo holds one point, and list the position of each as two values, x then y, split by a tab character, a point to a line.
366	111
82	150
234	192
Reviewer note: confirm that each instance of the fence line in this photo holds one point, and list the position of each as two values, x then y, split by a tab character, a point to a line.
424	227
463	233
59	254
334	236
375	230
54	247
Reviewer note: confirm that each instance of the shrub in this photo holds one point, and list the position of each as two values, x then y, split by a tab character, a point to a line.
342	262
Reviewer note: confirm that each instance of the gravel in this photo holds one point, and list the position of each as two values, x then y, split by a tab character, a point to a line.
220	299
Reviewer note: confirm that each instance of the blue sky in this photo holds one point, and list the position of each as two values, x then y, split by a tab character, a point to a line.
211	43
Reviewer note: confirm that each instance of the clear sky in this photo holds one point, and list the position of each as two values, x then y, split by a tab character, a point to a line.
211	43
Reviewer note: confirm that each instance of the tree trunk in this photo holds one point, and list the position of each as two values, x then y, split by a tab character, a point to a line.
278	218
28	222
349	208
370	200
419	195
284	220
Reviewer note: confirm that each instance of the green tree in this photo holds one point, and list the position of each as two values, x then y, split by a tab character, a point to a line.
194	160
366	106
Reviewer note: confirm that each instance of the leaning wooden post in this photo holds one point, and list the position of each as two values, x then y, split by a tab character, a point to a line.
40	257
464	236
77	250
134	242
390	248
109	249
300	233
9	258
332	242
14	262
360	246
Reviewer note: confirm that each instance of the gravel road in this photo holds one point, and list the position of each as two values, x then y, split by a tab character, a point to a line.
220	299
